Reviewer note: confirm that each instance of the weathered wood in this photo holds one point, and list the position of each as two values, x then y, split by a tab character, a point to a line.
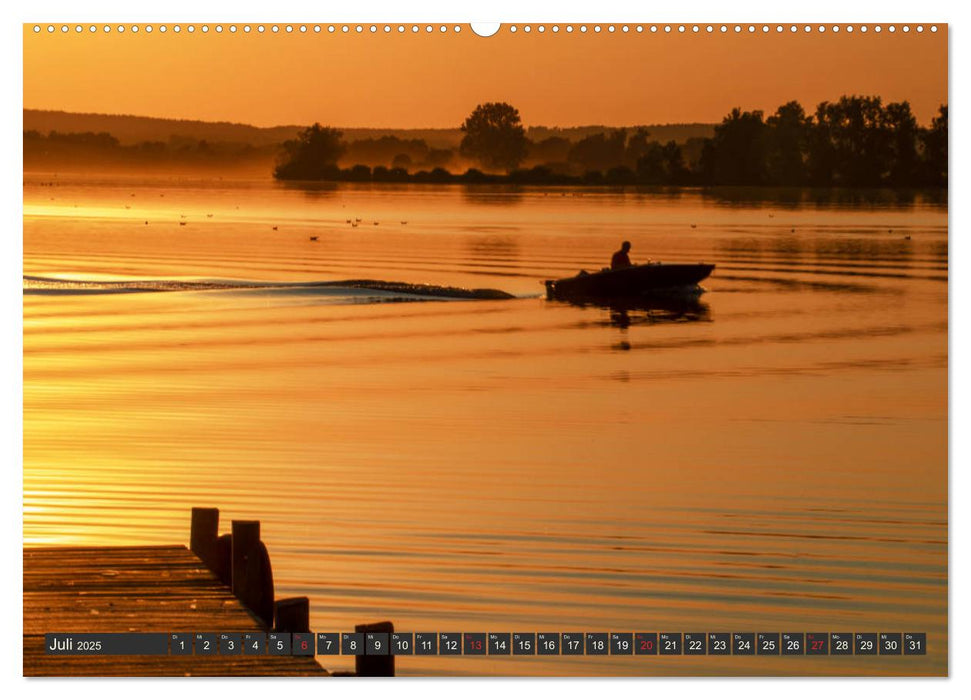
203	534
246	535
136	589
224	584
252	577
223	567
292	615
375	666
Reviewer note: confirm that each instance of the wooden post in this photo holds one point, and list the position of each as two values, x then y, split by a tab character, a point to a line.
222	563
246	535
292	615
252	578
375	666
203	535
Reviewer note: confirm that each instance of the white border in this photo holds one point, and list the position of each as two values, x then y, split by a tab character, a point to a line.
821	11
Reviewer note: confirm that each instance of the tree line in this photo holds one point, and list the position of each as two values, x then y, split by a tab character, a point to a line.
856	141
853	142
95	149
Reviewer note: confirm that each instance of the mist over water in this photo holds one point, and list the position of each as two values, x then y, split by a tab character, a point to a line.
772	458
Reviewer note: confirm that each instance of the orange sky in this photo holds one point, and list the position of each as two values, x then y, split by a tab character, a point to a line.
435	80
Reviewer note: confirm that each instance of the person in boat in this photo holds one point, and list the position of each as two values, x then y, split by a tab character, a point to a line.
621	259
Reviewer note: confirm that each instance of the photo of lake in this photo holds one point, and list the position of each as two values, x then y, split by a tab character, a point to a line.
424	359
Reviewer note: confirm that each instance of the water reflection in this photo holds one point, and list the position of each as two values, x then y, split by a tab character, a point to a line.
492	247
624	313
796	197
776	463
311	190
891	245
492	195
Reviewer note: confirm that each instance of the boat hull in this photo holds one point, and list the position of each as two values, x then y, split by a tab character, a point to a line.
630	282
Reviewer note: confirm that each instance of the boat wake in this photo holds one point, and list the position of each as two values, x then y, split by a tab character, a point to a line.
354	290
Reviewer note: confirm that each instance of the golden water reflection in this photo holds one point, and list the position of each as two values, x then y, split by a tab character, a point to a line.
772	459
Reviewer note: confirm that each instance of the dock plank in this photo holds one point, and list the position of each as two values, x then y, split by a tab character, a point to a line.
136	589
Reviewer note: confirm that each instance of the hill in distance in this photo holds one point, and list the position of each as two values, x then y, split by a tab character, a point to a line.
130	129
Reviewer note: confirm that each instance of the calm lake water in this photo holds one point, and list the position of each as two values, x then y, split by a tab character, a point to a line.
775	459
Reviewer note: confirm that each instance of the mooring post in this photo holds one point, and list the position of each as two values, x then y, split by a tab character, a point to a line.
374	665
204	533
252	578
246	535
292	615
222	563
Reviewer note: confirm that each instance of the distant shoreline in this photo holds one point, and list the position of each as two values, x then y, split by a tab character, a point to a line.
779	193
541	177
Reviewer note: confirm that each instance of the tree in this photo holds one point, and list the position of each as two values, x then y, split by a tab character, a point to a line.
902	130
402	160
787	144
438	157
357	173
494	136
599	151
934	141
550	150
312	155
736	153
851	143
620	175
661	165
381	151
637	146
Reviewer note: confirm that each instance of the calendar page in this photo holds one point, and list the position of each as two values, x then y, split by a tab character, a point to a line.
525	349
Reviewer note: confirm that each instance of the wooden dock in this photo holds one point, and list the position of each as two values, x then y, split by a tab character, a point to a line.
159	589
136	589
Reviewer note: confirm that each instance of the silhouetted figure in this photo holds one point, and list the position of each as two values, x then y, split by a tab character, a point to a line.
620	258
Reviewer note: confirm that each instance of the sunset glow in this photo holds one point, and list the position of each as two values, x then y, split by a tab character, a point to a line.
400	80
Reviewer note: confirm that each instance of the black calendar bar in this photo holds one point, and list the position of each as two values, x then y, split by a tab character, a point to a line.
681	644
67	644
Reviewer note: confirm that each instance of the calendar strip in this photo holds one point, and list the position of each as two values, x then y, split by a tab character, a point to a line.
490	644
